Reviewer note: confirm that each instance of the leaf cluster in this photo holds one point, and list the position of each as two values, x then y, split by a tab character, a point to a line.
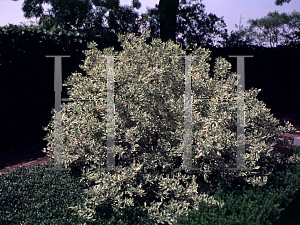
149	125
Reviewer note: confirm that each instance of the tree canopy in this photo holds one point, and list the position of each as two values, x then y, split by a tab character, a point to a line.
83	14
193	25
280	2
184	22
168	10
273	29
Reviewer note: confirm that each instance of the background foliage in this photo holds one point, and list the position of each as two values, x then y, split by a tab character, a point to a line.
27	75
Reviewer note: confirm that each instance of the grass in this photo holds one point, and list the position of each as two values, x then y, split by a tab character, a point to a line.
39	196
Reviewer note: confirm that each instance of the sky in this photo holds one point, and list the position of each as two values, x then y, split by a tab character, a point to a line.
232	10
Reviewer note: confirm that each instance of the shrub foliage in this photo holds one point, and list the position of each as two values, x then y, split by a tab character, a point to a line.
149	128
245	204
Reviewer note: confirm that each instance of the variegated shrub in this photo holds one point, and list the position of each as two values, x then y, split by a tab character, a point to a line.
149	128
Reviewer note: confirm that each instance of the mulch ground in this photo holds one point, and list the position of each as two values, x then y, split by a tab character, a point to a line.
29	156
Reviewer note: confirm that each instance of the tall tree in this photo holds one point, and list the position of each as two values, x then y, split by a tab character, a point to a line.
197	27
123	19
280	2
64	13
84	14
272	30
235	37
277	2
70	13
192	26
184	23
168	10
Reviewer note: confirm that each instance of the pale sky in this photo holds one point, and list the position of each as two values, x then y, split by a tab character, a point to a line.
10	11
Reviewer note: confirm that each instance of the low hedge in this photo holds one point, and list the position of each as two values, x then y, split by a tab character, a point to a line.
39	196
246	204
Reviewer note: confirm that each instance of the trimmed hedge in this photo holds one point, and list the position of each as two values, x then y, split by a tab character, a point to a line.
248	204
39	196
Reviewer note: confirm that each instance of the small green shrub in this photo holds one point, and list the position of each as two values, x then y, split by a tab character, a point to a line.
149	116
250	205
40	196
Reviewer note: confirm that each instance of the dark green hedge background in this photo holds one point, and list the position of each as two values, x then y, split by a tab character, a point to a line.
27	76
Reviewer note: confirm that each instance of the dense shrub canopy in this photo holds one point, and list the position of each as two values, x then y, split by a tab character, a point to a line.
149	129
